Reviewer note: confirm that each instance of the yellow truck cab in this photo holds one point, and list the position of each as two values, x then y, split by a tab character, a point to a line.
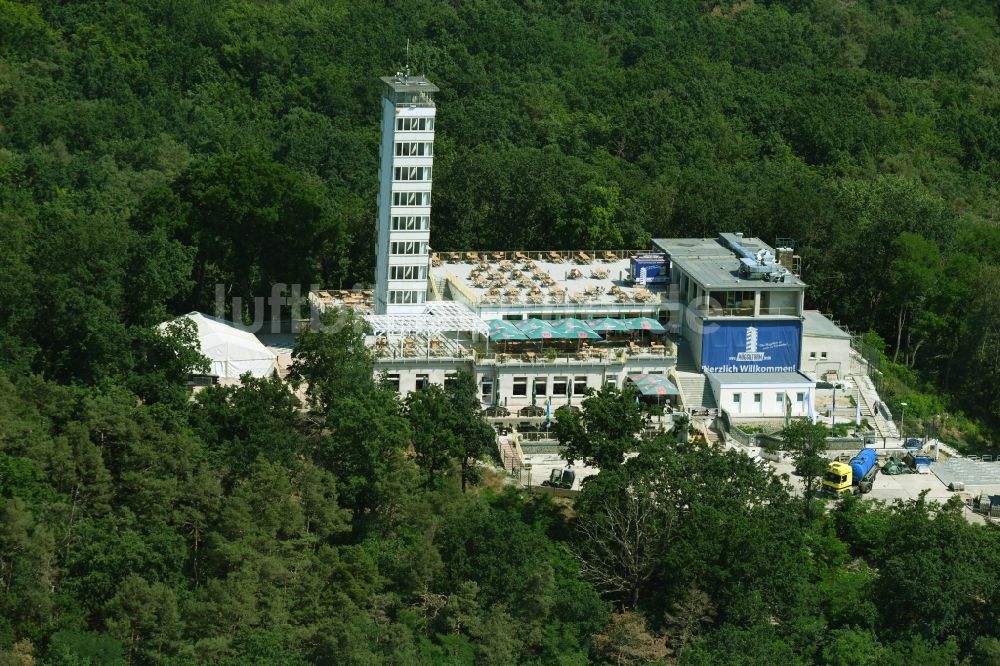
856	476
838	478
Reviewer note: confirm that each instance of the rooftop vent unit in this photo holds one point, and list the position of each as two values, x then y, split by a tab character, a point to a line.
759	265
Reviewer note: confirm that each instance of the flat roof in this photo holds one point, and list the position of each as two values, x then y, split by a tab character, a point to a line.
712	263
706	247
722	270
545	278
816	324
409	84
784	378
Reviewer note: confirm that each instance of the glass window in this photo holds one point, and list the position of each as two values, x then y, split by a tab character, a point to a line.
411	222
411	198
757	398
822	354
736	398
580	385
520	386
800	397
541	385
414	149
417	272
407	247
560	385
393	380
403	297
412	173
415	124
486	388
423	381
779	397
812	355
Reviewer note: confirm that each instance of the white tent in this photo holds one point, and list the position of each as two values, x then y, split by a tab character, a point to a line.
231	350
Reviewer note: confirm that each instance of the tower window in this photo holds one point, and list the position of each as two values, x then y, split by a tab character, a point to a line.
414	149
398	296
407	272
411	198
411	222
412	173
415	124
407	247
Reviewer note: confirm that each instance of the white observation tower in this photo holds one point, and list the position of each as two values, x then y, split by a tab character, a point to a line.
404	196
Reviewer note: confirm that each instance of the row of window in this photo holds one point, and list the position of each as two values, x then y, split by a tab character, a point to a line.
421	381
411	222
414	149
560	386
758	398
400	297
411	198
407	247
412	173
812	355
414	124
407	272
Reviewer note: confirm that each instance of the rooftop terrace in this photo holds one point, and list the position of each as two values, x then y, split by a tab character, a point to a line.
541	278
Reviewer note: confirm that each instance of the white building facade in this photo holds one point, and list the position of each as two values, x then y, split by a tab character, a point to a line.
404	201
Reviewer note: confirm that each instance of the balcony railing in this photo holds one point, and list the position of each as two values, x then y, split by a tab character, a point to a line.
731	312
592	356
611	356
789	311
748	312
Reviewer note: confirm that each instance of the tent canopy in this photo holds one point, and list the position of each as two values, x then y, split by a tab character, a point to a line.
231	350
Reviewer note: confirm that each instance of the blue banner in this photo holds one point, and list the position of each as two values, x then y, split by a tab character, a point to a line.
650	269
751	346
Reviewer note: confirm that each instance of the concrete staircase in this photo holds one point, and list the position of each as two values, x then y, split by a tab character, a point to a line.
711	436
510	455
869	396
696	392
439	288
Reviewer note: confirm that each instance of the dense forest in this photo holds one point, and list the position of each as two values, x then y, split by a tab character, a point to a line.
247	528
152	149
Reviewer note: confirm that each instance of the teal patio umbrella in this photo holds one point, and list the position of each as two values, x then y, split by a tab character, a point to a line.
574	329
645	324
608	325
536	329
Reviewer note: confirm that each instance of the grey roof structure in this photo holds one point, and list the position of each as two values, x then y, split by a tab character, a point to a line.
705	247
714	266
815	324
722	271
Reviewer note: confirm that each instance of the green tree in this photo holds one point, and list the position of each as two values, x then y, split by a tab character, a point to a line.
605	430
331	359
806	442
432	419
475	438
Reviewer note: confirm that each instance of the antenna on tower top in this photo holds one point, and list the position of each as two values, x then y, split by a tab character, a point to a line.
406	68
